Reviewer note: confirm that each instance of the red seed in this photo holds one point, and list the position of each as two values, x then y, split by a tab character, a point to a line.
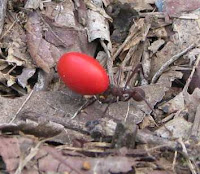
82	73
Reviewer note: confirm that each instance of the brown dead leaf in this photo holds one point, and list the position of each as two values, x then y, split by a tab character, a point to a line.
195	132
52	103
174	105
49	159
15	42
186	32
192	105
62	35
196	76
176	7
163	56
180	40
47	112
64	31
176	128
42	128
43	53
192	102
167	78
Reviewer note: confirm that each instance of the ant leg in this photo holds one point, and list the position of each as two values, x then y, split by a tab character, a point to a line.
104	112
135	70
85	105
138	94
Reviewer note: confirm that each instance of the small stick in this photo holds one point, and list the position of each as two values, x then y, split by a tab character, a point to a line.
170	61
3	5
128	56
138	27
33	152
126	116
134	71
23	104
109	61
191	75
86	104
189	163
11	69
162	15
8	30
174	160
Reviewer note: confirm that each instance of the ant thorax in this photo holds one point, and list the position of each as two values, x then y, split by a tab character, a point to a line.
115	94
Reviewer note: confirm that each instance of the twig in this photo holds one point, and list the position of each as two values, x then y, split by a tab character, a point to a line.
28	158
15	116
195	132
191	75
162	15
66	122
146	61
109	62
8	30
189	163
78	149
174	160
11	69
123	64
128	57
126	116
170	61
85	105
123	45
148	138
3	5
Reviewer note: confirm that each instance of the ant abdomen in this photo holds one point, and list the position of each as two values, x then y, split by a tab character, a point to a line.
138	94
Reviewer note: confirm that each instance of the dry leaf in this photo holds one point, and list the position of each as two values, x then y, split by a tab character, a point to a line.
98	27
43	53
26	74
176	128
174	105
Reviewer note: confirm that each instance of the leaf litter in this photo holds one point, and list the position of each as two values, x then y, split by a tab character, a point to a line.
158	135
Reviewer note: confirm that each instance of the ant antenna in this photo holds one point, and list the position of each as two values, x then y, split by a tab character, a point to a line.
135	70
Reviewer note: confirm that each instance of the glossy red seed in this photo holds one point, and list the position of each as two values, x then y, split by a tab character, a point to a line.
82	73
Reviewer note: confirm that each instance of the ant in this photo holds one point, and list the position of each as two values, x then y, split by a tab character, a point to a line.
123	94
114	94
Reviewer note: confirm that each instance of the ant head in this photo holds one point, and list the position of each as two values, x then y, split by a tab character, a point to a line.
138	94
